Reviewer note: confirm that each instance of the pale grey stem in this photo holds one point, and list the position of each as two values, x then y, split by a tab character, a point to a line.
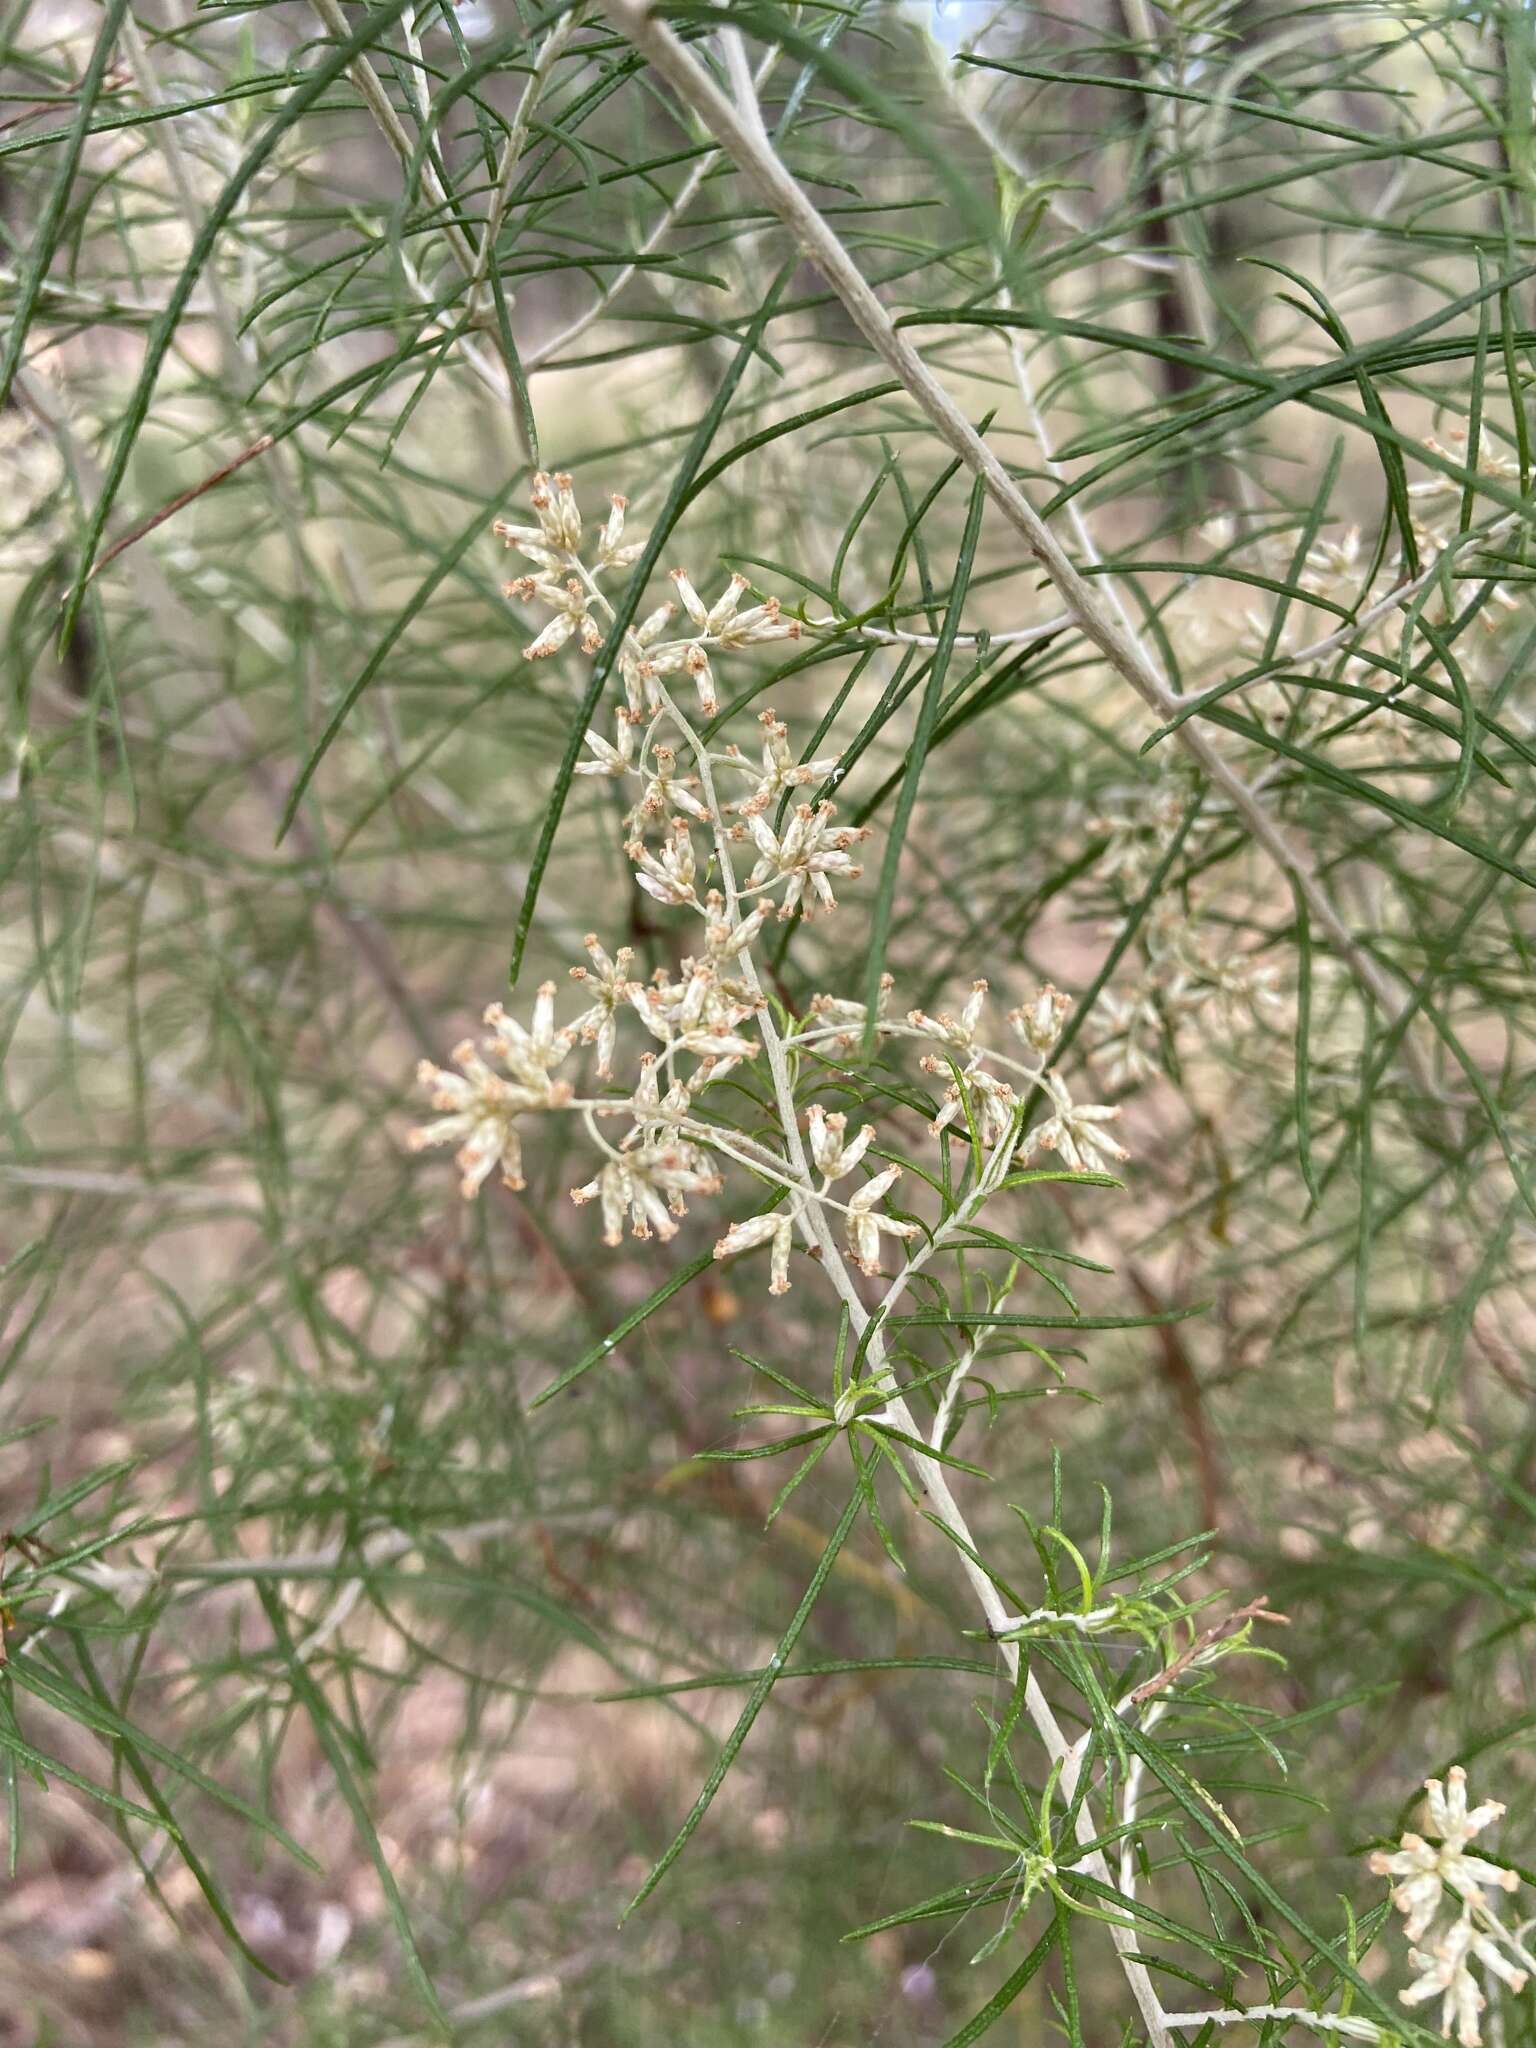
384	1546
389	124
550	51
547	353
883	636
1347	2024
1130	1803
370	88
952	1389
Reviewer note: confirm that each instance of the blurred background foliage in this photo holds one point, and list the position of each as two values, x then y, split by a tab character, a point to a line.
308	1607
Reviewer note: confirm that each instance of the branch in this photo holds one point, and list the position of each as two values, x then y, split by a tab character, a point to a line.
740	131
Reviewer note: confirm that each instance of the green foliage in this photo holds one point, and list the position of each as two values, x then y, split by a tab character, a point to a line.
380	1572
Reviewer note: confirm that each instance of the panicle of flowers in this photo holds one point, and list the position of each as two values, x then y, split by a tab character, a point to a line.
480	1107
865	1222
803	858
990	1102
1139	830
842	1019
1436	1877
988	1097
609	984
1340	572
1190	978
1076	1132
780	772
649	1182
693	1024
566	584
1350	575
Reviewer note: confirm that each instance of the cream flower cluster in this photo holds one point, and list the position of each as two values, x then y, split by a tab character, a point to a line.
1366	600
1190	980
1439	1876
699	806
565	584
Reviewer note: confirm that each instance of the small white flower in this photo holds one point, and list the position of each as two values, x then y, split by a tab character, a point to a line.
726	941
610	987
1428	1869
655	623
669	874
1490	462
610	553
692	603
699	1014
762	622
833	1155
960	1031
554	500
528	1055
667	791
1038	1023
1076	1131
864	1226
993	1103
649	1184
552	638
806	858
696	661
841	1010
781	772
1444	1973
532	542
480	1109
1244	984
1131	1028
608	759
723	610
777	1230
611	1187
646	1101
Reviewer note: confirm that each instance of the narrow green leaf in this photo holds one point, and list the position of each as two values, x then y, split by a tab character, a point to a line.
754	1706
308	1695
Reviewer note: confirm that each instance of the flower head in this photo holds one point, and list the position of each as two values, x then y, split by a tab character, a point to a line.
834	1154
608	983
1427	1869
529	1054
809	853
650	1184
777	1229
865	1226
479	1111
1076	1131
667	875
960	1032
991	1101
1038	1023
1445	1973
781	772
